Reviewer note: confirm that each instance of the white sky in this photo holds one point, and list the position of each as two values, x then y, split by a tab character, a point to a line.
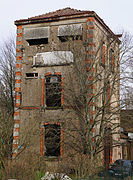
117	14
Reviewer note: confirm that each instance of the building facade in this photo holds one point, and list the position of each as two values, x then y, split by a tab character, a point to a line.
66	73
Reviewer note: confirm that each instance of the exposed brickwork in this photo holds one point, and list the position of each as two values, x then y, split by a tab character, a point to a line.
42	138
17	92
42	141
35	99
30	107
90	69
61	143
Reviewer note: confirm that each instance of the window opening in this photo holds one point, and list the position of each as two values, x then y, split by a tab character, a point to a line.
68	38
63	38
102	54
37	41
107	147
52	140
111	60
107	96
31	75
53	91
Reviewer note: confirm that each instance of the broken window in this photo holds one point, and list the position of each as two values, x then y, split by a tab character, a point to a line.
63	38
53	91
68	38
36	36
52	140
31	75
37	41
70	32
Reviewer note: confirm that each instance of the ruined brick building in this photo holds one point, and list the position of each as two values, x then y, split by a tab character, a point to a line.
45	58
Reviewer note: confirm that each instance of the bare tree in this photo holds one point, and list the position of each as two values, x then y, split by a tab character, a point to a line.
91	96
6	130
7	85
126	70
7	74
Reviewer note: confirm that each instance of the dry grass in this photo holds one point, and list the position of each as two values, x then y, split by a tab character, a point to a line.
80	166
24	168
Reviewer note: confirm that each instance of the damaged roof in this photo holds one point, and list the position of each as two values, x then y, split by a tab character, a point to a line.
63	14
66	12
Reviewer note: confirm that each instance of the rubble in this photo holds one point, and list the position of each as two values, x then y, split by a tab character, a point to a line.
50	176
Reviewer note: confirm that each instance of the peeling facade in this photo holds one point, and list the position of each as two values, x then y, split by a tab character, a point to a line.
43	57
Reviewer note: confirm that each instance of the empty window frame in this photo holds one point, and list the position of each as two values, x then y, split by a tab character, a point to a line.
102	54
37	41
69	38
52	139
31	75
36	36
53	91
107	96
70	32
111	60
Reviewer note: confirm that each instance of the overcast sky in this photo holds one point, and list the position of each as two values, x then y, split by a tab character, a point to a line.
117	14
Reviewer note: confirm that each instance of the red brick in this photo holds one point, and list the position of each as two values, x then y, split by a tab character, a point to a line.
89	61
15	146
93	130
18	81
16	113
91	121
91	19
90	27
18	65
14	155
19	27
17	130
18	73
18	58
17	89
18	50
16	121
19	35
47	74
91	78
57	73
92	112
19	42
90	35
15	137
17	105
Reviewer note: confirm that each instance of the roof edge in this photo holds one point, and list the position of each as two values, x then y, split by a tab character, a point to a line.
107	28
55	18
59	18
